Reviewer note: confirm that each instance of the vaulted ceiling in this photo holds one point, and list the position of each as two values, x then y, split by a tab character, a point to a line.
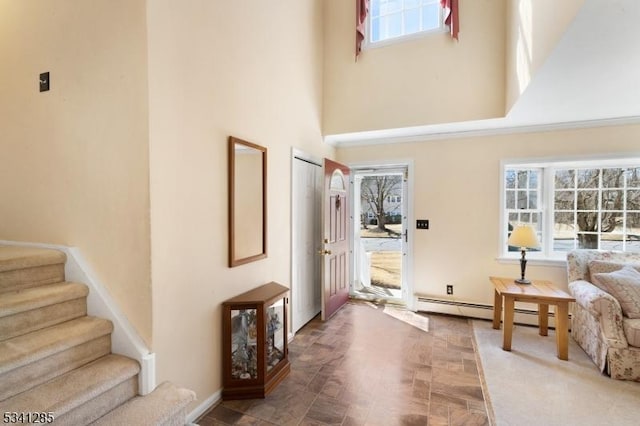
590	78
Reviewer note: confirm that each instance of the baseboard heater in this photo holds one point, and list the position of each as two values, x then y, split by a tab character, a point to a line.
477	310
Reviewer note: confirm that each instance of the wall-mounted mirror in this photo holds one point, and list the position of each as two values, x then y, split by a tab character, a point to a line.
247	202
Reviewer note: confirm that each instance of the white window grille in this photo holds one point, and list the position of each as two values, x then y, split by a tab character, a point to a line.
592	204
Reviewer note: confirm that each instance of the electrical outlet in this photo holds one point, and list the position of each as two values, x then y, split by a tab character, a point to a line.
449	289
44	82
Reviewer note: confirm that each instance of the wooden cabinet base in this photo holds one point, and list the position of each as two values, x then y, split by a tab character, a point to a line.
258	391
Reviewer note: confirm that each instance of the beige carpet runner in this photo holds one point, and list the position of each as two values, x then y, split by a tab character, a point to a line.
55	359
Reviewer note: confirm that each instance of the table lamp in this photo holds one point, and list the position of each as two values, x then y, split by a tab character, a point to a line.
524	236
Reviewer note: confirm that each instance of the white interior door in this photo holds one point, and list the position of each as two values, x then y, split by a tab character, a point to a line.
306	241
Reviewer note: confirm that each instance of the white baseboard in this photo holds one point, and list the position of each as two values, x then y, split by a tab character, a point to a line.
475	310
203	407
124	339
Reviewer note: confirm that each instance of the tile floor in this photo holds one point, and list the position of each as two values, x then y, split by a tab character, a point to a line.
372	365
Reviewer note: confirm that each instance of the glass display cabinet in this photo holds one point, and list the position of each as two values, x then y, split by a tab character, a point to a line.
254	342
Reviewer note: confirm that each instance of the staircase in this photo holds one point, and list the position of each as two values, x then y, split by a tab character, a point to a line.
56	359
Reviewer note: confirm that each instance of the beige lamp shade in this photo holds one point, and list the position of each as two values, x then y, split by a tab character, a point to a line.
524	236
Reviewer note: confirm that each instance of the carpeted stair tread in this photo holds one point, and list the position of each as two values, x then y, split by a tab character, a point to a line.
29	376
26	267
55	358
164	406
70	391
28	348
31	309
28	299
17	257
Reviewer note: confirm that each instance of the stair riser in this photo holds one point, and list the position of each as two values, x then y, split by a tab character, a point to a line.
36	319
98	406
28	376
31	277
169	408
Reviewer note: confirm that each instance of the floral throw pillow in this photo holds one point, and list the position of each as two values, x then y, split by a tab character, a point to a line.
624	285
602	266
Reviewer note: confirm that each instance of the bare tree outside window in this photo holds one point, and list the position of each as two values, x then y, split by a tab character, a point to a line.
592	206
594	203
381	197
380	242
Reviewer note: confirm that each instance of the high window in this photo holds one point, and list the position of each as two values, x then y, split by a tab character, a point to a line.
573	205
393	19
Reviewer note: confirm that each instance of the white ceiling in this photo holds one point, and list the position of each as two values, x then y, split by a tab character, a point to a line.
591	78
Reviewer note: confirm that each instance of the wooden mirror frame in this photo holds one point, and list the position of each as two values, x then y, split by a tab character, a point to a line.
233	260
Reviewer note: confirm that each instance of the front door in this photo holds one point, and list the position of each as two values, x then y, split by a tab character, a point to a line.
335	251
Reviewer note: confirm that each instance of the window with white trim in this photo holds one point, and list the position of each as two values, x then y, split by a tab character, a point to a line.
573	205
522	195
392	19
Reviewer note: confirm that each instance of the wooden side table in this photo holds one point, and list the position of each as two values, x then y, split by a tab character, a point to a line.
544	294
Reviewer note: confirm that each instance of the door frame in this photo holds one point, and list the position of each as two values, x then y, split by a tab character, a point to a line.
407	261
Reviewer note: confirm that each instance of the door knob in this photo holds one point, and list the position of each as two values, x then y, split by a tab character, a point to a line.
324	252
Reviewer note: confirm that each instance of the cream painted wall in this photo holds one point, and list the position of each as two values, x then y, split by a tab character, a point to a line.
126	156
250	69
534	27
433	79
74	163
457	187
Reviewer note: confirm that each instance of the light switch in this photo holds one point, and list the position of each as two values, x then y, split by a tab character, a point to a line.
422	224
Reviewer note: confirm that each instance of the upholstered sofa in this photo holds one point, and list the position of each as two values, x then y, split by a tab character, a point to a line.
610	338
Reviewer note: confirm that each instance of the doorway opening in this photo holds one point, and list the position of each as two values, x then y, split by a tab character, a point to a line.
380	234
378	262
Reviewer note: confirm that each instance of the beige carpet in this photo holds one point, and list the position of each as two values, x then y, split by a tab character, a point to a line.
531	386
56	359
